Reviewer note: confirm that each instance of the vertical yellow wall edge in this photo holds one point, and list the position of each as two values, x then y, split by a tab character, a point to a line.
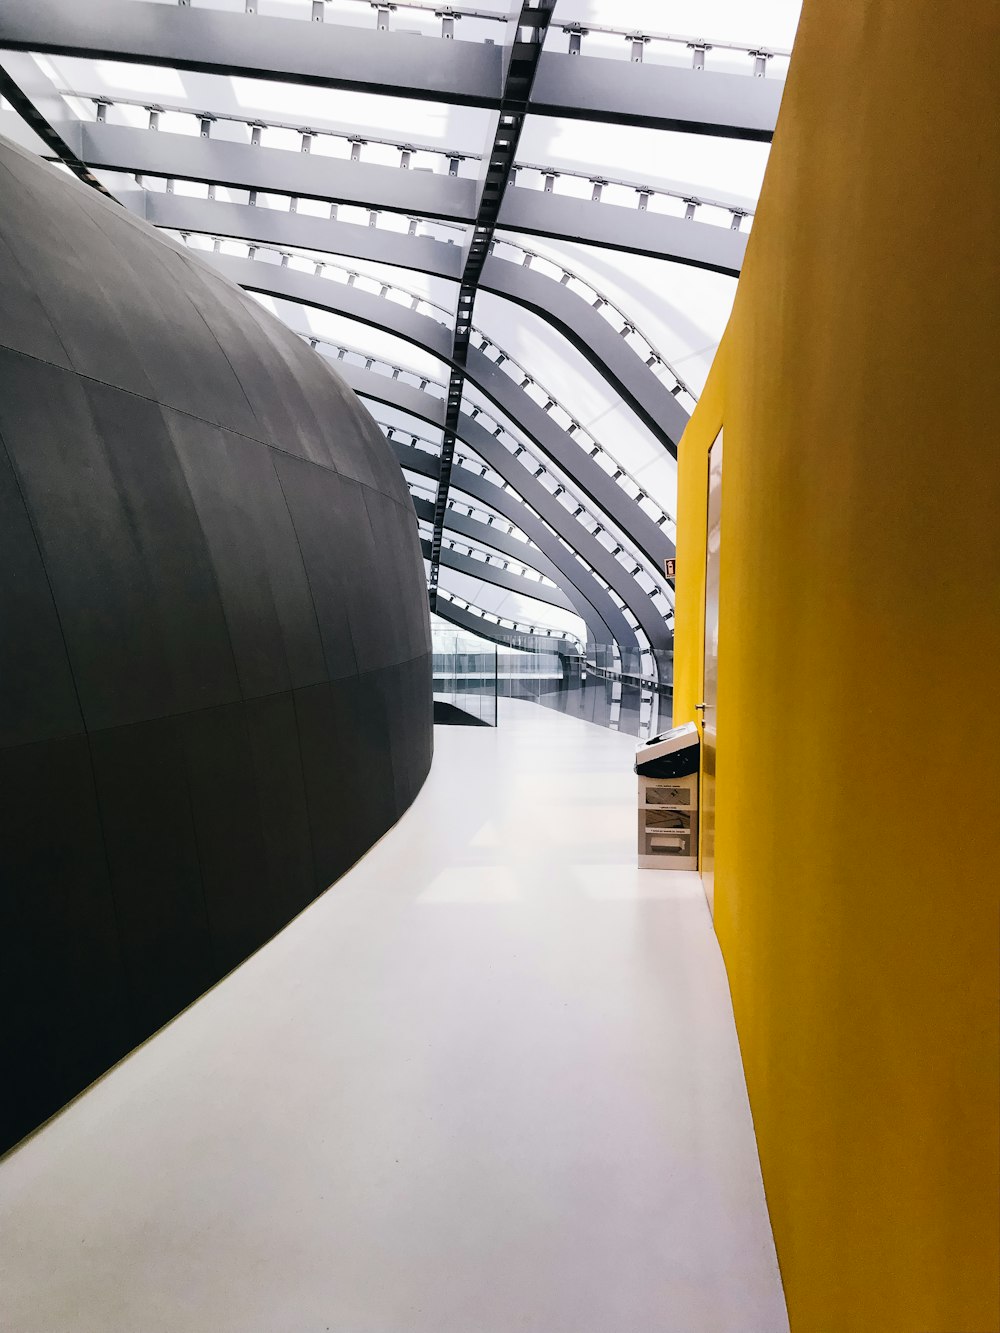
858	788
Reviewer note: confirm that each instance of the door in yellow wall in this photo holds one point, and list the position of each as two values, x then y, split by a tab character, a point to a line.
710	660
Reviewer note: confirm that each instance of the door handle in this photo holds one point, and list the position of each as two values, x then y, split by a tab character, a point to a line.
701	707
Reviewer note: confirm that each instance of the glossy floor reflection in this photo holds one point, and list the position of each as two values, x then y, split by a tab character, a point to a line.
489	1082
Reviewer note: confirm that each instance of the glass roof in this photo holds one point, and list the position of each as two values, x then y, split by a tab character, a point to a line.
671	315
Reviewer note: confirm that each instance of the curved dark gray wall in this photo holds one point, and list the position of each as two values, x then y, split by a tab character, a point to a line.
215	672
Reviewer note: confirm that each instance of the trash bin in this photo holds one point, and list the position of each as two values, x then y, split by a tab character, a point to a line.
667	766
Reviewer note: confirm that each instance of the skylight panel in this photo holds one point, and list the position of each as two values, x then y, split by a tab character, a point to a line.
147	80
461	129
729	169
765	24
681	310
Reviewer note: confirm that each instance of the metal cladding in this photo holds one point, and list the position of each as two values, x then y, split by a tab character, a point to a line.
216	649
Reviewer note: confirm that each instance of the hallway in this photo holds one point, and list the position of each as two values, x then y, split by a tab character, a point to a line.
489	1082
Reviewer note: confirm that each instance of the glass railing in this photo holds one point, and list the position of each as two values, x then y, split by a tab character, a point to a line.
465	678
599	684
626	690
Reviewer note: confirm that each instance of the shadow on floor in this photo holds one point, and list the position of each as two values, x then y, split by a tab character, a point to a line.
448	715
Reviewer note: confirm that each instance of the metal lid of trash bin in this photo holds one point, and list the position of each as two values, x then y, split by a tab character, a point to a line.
672	754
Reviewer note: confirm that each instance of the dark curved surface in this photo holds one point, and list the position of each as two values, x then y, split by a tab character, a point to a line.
216	649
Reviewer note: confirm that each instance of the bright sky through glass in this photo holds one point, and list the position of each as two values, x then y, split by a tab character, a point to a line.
681	311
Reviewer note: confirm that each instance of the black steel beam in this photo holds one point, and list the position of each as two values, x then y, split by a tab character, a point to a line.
26	109
521	64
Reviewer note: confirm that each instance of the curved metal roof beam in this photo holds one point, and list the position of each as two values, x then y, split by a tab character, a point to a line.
597	628
407	398
522	559
433	337
541	501
498	576
614	627
575	318
547	506
413	193
394	392
464	526
400	64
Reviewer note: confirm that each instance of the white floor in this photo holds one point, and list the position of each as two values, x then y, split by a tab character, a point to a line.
489	1083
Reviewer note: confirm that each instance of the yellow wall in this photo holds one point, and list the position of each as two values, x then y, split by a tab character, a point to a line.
858	798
